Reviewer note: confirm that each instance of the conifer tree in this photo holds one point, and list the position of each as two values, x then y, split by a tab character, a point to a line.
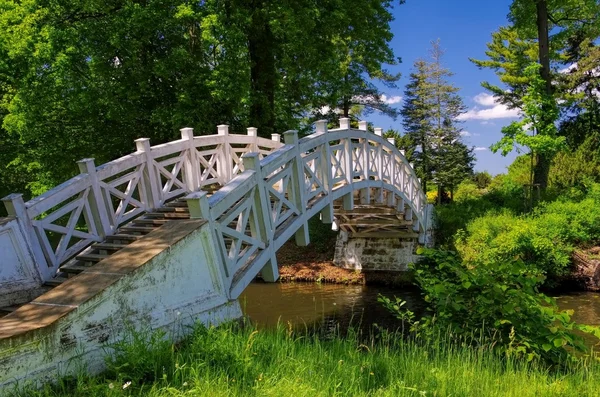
430	116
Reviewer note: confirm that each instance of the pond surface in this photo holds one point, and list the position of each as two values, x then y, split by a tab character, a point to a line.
336	305
331	305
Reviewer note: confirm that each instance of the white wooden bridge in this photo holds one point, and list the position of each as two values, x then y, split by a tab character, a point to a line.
114	246
255	193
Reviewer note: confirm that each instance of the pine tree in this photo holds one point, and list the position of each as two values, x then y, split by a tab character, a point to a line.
430	117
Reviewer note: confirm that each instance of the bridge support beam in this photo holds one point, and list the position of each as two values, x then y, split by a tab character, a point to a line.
376	251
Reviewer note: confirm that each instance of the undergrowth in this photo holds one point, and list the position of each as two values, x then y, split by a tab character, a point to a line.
242	361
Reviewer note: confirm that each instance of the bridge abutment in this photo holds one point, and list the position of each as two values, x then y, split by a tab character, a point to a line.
374	254
168	280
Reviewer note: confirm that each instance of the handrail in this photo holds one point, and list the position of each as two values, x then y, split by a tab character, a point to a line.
268	187
273	198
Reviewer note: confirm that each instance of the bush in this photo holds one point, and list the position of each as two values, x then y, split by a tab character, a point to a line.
544	240
467	190
498	301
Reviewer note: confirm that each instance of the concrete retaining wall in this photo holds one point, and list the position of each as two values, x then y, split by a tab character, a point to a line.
166	280
371	254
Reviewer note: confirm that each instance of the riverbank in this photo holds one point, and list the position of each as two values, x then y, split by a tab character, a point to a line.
307	264
242	361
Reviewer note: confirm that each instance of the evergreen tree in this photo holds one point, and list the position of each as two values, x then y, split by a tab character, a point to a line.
430	117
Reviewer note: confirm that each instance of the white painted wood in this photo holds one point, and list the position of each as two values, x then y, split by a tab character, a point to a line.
270	196
98	206
297	180
191	178
151	197
344	123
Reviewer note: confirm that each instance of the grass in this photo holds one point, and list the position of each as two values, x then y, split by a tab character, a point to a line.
242	361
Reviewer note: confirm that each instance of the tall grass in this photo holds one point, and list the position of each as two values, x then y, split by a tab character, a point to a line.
243	361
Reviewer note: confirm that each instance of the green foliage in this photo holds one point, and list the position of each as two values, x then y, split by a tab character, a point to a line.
543	240
466	191
482	179
539	114
85	78
498	300
430	116
245	361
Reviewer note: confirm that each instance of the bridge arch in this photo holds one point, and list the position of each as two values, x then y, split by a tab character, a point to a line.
273	198
268	192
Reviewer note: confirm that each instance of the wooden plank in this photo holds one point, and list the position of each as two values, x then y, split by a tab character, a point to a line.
91	257
123	237
377	222
55	282
384	235
108	246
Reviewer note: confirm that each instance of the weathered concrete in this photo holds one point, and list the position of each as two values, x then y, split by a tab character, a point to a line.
368	254
19	278
167	280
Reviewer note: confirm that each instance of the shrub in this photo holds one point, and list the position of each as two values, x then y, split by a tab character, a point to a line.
467	190
499	301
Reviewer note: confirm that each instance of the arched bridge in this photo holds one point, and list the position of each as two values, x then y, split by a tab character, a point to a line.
114	247
255	193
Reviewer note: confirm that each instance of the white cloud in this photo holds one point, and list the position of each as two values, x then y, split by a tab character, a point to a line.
485	99
494	110
480	149
465	133
391	100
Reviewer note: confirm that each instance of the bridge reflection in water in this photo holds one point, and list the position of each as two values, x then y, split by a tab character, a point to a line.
323	306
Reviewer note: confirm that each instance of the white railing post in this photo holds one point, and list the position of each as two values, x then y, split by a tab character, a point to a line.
379	164
276	137
152	191
297	179
15	206
197	203
269	272
365	193
324	172
253	132
191	165
96	201
224	164
391	197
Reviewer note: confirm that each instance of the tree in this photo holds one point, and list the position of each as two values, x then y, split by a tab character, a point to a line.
430	117
536	130
417	112
86	78
482	179
533	21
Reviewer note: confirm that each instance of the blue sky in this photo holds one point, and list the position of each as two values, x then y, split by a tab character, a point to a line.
464	27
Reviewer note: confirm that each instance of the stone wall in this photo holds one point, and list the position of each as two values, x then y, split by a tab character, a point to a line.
168	279
371	254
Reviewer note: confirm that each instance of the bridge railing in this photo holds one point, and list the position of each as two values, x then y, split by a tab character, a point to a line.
94	204
273	198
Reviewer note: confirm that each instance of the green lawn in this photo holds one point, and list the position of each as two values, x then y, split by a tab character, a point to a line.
236	361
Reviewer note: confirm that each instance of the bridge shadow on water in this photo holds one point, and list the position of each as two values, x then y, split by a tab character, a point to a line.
325	309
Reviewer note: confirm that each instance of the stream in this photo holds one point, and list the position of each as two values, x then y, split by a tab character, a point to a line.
334	305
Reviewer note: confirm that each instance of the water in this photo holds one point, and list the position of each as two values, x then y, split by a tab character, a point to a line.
332	305
307	304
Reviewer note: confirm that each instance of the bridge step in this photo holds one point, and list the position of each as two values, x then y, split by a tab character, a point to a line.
108	246
172	209
91	257
168	215
138	229
123	237
55	282
157	222
74	269
176	204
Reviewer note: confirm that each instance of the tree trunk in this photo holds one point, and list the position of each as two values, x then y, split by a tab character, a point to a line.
261	48
542	166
